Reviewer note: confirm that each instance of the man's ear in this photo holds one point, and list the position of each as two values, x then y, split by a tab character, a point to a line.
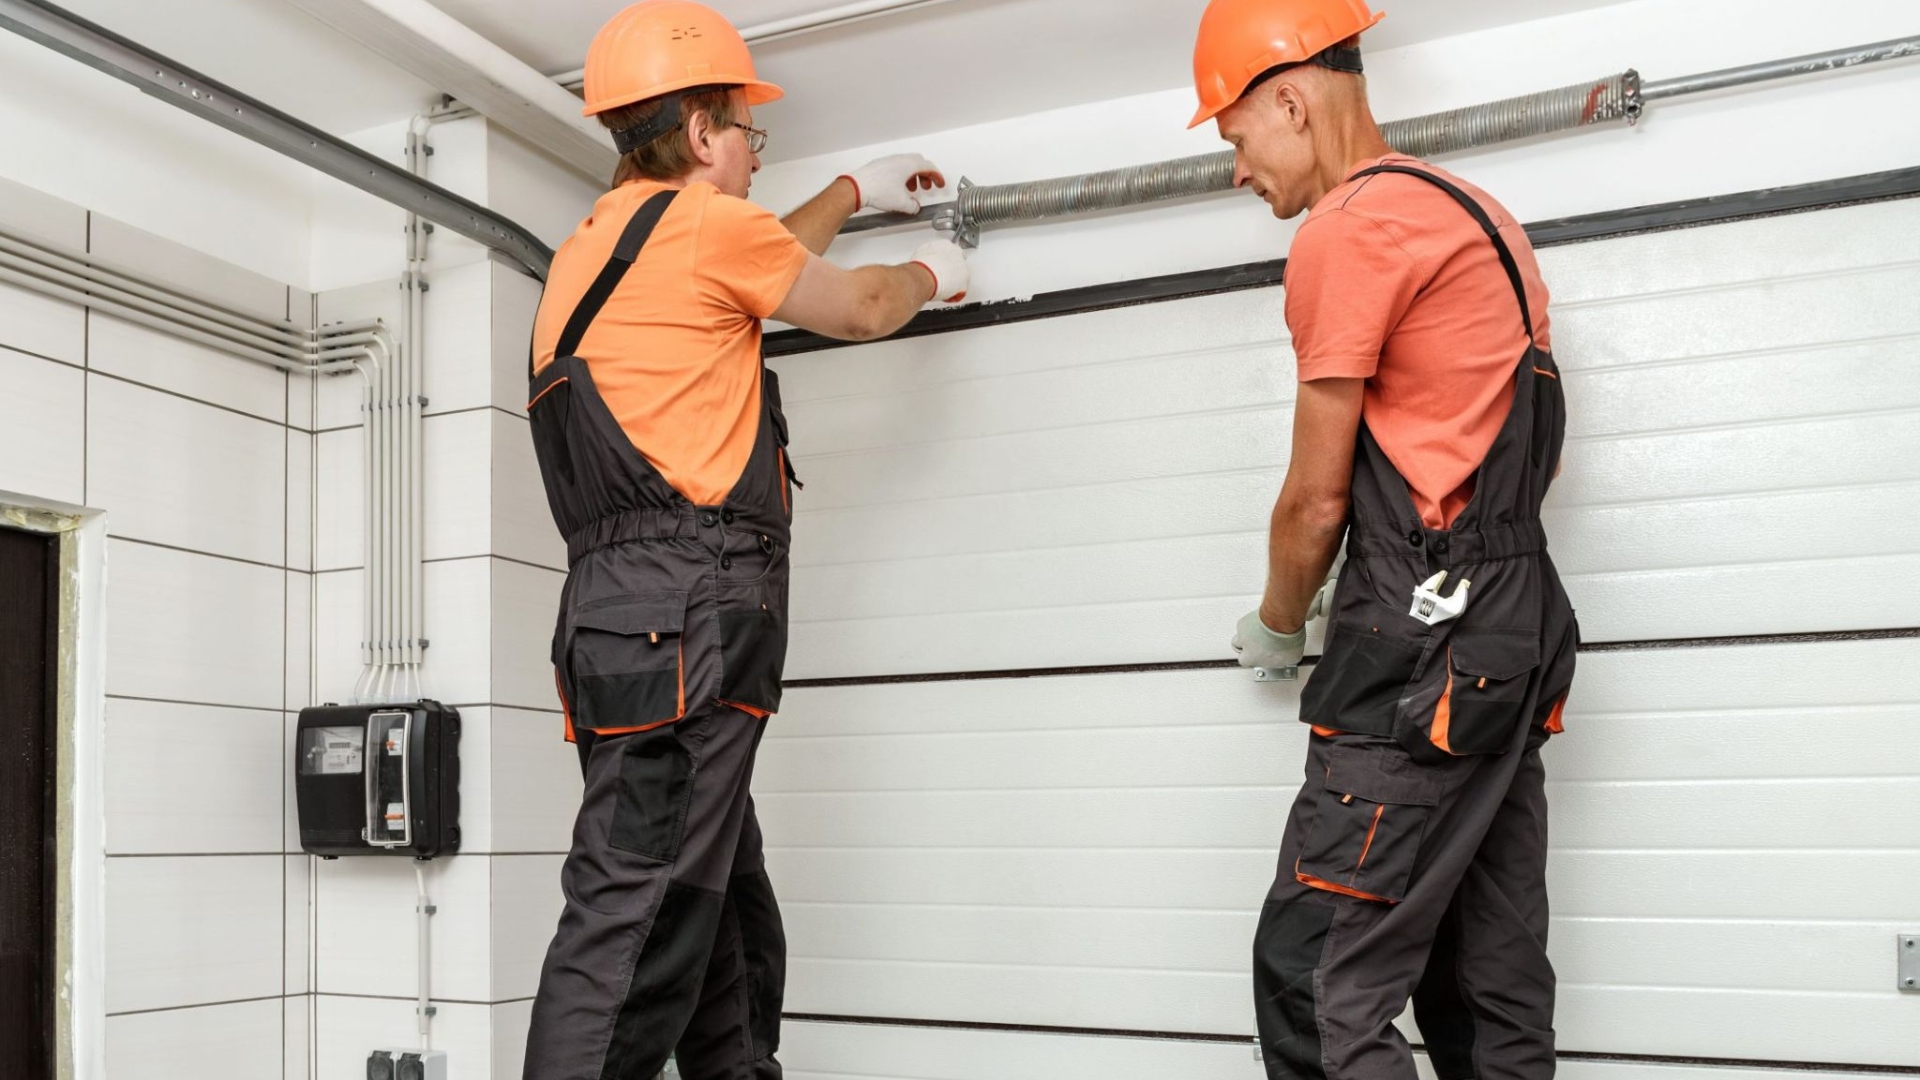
1289	104
700	136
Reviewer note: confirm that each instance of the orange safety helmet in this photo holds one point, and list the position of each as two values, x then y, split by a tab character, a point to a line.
1241	39
656	47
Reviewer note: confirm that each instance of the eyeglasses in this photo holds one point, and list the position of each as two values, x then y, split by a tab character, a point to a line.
756	139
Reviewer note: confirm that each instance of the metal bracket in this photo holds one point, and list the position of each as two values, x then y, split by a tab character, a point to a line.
952	218
1907	974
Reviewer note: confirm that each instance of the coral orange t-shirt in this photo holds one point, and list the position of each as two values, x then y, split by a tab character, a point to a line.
675	352
1392	281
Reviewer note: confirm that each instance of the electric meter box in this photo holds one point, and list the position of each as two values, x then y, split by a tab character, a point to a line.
378	779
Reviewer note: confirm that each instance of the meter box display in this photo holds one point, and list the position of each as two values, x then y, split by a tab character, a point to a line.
378	779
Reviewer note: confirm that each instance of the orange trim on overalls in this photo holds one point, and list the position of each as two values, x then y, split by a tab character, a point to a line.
754	711
1324	732
566	710
1443	712
1324	885
548	390
786	504
1372	830
1555	723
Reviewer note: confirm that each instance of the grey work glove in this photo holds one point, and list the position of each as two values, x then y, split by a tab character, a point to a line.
1273	655
1265	650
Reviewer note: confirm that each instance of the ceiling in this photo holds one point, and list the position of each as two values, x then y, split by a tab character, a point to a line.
945	66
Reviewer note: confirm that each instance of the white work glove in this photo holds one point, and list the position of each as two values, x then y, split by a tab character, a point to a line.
1265	650
947	262
895	183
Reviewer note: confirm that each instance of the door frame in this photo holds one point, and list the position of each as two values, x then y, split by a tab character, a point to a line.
79	773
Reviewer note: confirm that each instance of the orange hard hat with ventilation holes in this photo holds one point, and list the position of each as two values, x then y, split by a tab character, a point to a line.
656	47
1242	39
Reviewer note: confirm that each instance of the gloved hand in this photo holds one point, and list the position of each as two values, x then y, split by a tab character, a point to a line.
894	183
947	262
1322	603
1261	647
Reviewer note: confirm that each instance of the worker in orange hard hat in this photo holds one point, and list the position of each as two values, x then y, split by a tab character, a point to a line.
1427	427
664	454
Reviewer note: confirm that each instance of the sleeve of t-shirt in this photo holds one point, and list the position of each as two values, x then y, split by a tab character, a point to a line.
747	259
1348	283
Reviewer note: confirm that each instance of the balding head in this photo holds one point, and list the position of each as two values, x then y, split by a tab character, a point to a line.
1295	133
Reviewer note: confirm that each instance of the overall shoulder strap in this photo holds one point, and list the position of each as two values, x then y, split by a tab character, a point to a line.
625	251
1486	225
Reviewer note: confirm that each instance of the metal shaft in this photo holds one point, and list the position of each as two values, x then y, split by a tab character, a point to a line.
103	50
1810	64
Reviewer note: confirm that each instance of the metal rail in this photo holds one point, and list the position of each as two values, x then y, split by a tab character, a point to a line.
1611	100
184	88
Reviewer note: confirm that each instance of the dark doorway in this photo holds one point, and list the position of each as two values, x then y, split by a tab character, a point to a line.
28	599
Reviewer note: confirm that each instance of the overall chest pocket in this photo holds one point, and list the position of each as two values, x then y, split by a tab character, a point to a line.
627	661
1490	672
1368	822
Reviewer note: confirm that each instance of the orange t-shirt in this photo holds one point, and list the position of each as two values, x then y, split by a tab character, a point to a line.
1392	281
675	352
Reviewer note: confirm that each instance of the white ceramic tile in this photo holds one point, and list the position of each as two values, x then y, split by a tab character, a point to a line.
188	475
340	511
367	936
522	525
525	599
536	782
42	325
300	492
42	217
338	600
526	909
510	1024
458	665
299	1038
184	268
186	627
42	428
458	472
303	393
299	967
476	780
458	345
239	1041
299	639
347	1029
156	358
192	930
516	297
192	778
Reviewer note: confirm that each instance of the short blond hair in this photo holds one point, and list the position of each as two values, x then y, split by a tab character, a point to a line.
670	156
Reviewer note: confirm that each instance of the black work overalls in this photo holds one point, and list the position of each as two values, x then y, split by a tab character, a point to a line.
1414	859
668	652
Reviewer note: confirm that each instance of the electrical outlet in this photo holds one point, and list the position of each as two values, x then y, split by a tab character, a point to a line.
1907	971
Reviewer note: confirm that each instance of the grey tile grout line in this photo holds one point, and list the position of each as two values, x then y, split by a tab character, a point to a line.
279	709
423	416
200	1005
196	551
502	558
31	355
186	397
86	378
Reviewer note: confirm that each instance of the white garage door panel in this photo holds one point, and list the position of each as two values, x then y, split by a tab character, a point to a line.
1093	489
1092	850
816	1051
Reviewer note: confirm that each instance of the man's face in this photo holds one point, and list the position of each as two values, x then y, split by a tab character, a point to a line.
734	164
1272	150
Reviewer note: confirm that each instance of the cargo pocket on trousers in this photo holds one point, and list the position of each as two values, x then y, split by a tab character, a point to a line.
656	786
753	647
627	662
1486	690
1367	825
1359	681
